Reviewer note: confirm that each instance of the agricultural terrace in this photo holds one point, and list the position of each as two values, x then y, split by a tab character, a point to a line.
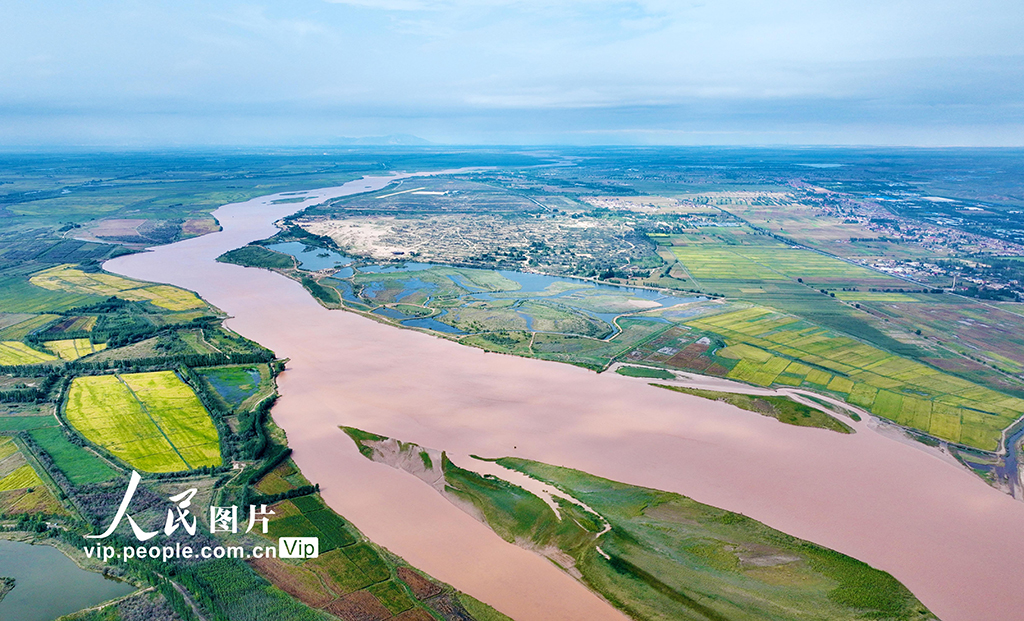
151	421
73	349
772	348
68	278
15	352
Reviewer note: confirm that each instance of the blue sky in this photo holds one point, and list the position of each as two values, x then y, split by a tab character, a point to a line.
907	72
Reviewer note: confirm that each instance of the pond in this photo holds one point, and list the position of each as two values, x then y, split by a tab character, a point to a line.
39	570
312	258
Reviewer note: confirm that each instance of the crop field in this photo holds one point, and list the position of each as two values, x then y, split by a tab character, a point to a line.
77	463
350	578
283	478
809	225
26	422
68	278
709	258
21	488
74	324
983	330
151	421
18	295
20	329
775	348
73	349
16	352
308	514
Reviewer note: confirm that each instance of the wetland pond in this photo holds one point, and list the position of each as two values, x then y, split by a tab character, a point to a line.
49	584
950	538
425	285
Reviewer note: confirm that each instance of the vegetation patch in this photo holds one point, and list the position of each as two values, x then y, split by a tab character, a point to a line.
258	256
80	465
783	409
632	371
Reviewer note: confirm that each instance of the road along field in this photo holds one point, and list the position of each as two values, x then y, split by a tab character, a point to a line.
151	421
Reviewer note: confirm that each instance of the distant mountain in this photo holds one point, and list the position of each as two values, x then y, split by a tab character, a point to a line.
390	139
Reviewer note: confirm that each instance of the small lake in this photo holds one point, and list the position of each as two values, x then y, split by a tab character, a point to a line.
49	584
312	258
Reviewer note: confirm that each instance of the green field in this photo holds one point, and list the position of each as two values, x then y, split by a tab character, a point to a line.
18	295
21	329
78	464
25	423
151	421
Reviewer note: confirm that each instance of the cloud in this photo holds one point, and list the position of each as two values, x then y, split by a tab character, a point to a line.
593	67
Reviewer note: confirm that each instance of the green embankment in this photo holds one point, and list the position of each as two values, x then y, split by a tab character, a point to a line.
631	371
780	408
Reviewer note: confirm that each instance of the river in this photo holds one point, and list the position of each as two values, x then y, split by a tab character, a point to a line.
954	541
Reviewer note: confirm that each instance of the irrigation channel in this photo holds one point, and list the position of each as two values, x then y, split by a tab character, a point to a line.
953	540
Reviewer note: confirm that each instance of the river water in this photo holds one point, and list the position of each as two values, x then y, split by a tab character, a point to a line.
954	541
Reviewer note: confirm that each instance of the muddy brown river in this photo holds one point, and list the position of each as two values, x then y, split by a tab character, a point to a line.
955	542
